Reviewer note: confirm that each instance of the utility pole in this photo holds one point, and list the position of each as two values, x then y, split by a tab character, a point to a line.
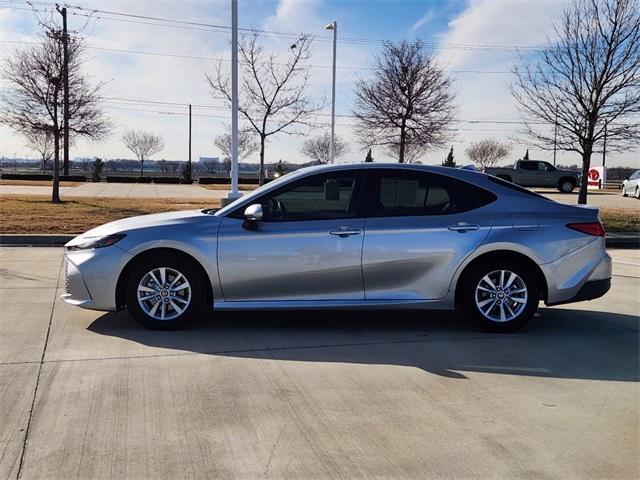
604	147
190	140
555	139
333	26
65	77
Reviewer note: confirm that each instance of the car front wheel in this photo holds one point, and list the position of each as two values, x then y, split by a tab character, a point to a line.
164	292
500	296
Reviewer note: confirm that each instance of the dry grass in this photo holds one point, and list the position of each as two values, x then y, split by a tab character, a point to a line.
227	188
620	219
38	183
36	214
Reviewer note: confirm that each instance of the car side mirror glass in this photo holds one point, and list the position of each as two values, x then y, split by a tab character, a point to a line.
253	213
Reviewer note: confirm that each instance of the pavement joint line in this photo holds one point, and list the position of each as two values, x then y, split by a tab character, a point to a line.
35	390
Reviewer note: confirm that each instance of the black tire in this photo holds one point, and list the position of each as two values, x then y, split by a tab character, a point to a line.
566	185
182	265
637	195
473	278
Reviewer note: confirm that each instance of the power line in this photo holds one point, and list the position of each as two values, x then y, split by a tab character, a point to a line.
169	22
195	57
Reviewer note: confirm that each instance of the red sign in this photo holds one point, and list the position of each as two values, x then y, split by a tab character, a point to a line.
594	174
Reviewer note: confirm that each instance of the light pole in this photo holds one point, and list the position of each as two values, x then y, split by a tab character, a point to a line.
233	194
333	26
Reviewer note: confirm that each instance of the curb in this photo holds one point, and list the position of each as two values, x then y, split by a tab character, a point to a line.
35	240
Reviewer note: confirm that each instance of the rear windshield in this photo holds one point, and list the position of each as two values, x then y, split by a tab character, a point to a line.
515	187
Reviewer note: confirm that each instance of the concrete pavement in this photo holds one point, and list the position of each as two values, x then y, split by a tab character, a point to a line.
611	199
118	190
326	395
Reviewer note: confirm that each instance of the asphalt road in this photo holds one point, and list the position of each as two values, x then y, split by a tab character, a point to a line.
330	395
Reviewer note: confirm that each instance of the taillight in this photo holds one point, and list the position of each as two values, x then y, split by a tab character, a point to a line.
590	228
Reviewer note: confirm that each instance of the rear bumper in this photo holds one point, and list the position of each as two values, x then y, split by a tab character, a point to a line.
589	291
567	276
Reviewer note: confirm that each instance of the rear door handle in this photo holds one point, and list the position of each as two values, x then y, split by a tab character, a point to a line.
463	227
345	231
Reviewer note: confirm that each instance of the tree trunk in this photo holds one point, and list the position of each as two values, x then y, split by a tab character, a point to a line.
141	167
403	139
586	165
262	142
55	194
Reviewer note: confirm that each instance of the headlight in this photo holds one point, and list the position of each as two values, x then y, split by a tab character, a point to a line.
98	242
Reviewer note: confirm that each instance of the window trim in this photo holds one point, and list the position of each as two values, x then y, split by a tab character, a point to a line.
238	213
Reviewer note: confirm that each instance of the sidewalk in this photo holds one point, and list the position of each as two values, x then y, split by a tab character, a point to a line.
119	190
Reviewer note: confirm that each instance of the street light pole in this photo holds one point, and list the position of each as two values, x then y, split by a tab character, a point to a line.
333	26
234	101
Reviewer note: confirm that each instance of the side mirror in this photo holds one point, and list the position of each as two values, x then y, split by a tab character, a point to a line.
252	215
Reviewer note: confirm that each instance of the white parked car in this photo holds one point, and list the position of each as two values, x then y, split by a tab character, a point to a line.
631	186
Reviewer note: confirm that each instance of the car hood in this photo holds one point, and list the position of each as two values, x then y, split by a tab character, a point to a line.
168	219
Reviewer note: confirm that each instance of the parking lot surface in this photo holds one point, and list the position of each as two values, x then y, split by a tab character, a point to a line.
326	395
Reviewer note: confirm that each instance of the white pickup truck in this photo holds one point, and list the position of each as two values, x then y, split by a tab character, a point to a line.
536	173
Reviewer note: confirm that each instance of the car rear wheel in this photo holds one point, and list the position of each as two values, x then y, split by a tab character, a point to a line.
566	186
500	296
637	194
164	292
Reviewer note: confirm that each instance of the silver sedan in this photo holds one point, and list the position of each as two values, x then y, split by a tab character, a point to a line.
354	237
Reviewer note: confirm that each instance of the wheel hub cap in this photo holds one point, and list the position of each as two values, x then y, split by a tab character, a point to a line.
501	296
164	293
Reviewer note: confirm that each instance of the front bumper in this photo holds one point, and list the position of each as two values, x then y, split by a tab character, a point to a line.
91	277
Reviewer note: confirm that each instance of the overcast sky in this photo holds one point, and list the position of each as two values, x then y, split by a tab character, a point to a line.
456	29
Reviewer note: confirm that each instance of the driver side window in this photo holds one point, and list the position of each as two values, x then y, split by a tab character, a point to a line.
321	197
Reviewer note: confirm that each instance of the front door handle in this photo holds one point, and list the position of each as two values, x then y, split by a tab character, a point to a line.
463	227
344	232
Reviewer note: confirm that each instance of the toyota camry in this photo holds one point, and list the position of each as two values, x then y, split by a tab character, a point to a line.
349	237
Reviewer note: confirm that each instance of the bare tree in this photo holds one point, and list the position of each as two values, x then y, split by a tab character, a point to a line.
409	101
412	151
246	145
317	148
273	94
33	102
143	145
43	143
486	153
586	82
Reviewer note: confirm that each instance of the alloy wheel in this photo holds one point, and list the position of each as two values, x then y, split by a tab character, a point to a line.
164	293
501	296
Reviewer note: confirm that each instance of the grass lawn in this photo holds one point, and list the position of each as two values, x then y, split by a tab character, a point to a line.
620	219
36	214
227	188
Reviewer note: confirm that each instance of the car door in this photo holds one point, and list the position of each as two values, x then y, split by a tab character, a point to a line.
547	174
529	174
418	229
307	247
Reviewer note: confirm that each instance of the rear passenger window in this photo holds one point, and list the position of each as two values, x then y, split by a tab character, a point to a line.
414	194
